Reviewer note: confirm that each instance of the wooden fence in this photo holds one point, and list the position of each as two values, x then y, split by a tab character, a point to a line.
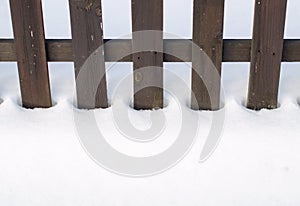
265	51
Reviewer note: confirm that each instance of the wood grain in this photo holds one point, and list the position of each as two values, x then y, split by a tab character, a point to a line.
147	65
266	54
87	39
208	35
234	50
29	46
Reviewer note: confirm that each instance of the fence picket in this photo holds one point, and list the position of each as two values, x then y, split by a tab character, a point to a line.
208	35
147	15
28	29
266	53
87	39
266	50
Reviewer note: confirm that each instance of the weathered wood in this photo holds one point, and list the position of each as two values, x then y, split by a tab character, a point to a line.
7	50
87	34
208	35
266	54
29	40
59	50
147	15
234	50
291	50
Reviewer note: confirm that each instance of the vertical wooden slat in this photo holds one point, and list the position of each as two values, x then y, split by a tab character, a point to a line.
87	39
147	15
208	35
266	54
28	29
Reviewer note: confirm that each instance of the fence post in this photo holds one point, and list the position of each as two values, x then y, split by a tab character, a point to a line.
29	41
266	53
147	15
208	35
87	39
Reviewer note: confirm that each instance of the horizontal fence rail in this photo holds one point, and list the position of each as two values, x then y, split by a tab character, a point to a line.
234	50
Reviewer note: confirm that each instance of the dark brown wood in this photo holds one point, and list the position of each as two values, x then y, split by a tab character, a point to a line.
29	40
87	33
266	55
208	35
148	82
59	50
234	50
7	50
291	50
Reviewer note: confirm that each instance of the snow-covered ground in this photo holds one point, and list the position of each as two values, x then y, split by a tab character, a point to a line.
256	162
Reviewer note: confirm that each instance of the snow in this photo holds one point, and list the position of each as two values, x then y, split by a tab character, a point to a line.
256	162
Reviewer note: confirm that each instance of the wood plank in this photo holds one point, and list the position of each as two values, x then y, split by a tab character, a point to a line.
291	50
87	33
266	54
59	50
29	40
234	50
208	35
147	15
8	52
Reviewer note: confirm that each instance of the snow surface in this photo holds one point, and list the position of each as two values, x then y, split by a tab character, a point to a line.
256	163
